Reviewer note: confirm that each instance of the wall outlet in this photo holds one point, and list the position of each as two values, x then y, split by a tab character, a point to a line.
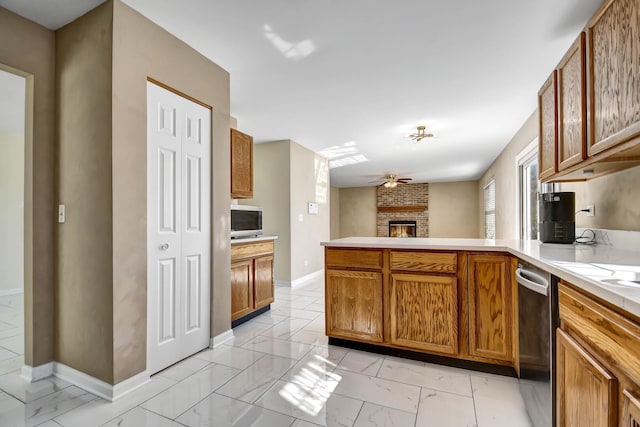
300	217
591	210
62	214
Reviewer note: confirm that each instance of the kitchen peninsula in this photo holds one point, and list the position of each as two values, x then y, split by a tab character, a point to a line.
378	290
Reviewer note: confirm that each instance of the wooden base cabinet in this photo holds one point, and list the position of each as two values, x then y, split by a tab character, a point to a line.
597	362
424	312
491	307
354	305
251	277
448	303
586	391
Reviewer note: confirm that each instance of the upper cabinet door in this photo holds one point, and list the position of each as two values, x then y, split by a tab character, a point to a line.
241	165
572	106
613	55
547	109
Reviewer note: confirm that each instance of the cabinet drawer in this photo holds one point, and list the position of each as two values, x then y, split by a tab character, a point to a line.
252	249
611	335
434	262
354	258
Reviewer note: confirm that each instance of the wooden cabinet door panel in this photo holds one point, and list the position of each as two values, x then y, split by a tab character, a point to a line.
586	392
354	305
241	288
241	165
490	307
547	110
433	262
572	106
630	409
263	281
424	312
613	49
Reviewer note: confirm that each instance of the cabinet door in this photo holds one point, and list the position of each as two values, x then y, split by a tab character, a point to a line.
547	110
572	106
490	307
424	312
241	288
630	409
354	305
263	281
613	49
586	392
241	165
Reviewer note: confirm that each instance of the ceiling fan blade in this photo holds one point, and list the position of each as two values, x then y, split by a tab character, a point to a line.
404	180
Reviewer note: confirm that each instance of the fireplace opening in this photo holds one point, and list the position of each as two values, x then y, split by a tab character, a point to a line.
402	229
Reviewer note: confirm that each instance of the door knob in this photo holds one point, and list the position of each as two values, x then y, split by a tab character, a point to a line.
164	246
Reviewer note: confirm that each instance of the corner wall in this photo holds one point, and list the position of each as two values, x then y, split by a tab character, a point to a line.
28	49
503	170
452	209
334	208
309	183
84	302
358	212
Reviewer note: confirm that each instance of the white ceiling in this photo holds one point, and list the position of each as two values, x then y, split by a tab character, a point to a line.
364	73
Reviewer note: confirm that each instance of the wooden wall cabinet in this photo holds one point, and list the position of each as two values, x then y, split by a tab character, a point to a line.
241	165
597	362
491	307
548	139
597	90
613	49
252	284
572	106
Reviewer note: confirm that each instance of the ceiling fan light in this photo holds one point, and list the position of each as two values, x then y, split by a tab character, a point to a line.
388	184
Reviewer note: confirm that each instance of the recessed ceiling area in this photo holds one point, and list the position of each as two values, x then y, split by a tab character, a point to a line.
353	79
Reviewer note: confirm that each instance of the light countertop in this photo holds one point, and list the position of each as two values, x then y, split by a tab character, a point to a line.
252	239
601	270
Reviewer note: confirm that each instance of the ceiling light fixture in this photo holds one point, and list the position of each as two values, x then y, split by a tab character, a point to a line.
390	184
421	134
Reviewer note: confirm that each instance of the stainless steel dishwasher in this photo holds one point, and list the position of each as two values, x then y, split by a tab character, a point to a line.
537	321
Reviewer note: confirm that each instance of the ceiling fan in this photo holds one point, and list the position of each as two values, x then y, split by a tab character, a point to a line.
392	180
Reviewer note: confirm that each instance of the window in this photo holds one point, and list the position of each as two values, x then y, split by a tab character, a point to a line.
529	187
490	210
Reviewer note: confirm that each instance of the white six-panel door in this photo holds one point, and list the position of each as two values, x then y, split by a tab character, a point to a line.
178	227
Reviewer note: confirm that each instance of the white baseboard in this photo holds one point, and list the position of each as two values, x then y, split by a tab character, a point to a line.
221	338
14	291
300	280
98	387
36	373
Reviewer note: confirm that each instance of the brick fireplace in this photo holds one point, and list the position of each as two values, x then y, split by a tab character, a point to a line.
406	202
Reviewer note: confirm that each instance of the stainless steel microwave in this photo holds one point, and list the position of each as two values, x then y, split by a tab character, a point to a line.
246	221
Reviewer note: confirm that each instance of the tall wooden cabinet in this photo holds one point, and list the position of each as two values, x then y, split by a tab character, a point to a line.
241	165
548	139
252	284
597	362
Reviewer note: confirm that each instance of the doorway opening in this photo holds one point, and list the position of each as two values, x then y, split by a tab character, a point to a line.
12	197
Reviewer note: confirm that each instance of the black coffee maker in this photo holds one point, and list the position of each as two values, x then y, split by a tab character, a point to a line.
557	217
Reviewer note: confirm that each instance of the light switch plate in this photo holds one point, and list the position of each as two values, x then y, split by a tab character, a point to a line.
313	208
62	214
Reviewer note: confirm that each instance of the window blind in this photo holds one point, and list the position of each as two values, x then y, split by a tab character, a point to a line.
490	210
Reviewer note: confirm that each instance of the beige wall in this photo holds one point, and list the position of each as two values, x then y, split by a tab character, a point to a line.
503	170
615	198
104	60
358	210
27	49
271	190
452	209
309	183
84	332
11	210
334	209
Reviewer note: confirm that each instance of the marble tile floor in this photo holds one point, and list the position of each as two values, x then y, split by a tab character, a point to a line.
278	371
